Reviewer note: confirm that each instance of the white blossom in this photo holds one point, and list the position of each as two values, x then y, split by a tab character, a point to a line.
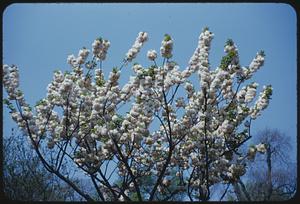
135	49
261	148
151	54
100	47
166	47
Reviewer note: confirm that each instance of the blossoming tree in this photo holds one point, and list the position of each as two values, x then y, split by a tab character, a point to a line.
78	121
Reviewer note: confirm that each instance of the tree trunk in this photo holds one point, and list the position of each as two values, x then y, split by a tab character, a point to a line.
269	173
237	191
245	190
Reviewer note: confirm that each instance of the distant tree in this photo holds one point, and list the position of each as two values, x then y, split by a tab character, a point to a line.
273	175
24	176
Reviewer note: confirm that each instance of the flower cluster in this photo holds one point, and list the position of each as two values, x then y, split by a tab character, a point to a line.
151	54
261	148
140	40
11	82
22	112
77	61
255	65
250	92
100	47
262	102
166	47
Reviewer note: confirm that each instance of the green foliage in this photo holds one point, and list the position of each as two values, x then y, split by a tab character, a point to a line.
226	60
93	130
40	102
115	70
229	42
269	91
231	111
119	121
19	92
138	99
6	101
148	72
100	82
167	37
104	139
262	53
245	109
231	114
134	196
67	73
205	28
9	105
111	125
100	122
151	72
173	63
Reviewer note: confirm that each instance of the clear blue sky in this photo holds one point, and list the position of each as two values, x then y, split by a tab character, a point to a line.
39	37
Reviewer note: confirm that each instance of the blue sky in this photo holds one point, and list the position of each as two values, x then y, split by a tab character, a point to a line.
39	37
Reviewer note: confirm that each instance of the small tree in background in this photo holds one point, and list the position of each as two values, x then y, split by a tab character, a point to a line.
80	125
25	177
273	176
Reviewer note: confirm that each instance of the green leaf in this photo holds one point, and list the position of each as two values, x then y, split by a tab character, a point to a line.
100	82
119	121
167	37
40	102
226	60
134	196
151	72
245	109
262	53
230	42
231	114
111	125
115	69
269	91
6	101
205	28
66	73
11	107
104	139
173	63
232	54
